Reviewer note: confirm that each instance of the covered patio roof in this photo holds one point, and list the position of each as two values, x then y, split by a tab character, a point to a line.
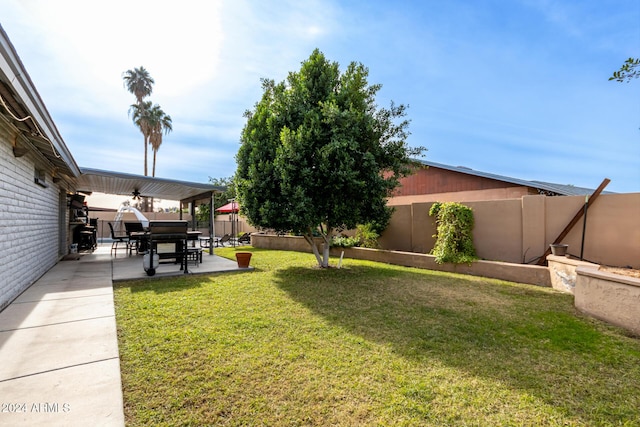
108	182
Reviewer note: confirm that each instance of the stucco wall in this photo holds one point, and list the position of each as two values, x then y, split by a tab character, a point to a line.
462	196
29	221
399	234
520	230
609	297
497	233
613	227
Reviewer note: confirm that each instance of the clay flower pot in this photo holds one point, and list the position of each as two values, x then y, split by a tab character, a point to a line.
243	259
559	249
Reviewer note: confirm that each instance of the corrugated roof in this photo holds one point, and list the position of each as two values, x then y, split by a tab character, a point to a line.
108	182
560	189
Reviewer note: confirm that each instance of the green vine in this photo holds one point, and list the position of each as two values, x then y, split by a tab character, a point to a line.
454	239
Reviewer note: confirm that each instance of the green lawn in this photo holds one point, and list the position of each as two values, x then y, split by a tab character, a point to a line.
368	344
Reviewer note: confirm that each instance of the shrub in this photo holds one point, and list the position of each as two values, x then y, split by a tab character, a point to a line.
367	236
345	241
454	239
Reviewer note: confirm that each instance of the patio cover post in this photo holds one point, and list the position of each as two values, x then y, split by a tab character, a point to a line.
193	215
212	224
209	195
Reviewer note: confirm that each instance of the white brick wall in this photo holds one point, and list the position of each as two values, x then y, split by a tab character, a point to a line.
29	234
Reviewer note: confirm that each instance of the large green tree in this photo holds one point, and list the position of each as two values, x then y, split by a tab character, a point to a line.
318	155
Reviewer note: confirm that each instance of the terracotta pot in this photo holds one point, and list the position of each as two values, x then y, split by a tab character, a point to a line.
559	250
243	259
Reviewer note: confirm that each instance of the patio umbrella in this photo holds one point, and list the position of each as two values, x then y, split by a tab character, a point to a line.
228	208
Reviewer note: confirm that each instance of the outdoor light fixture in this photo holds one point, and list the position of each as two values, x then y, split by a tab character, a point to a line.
18	150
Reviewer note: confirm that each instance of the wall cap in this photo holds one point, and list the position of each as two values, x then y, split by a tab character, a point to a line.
595	272
570	261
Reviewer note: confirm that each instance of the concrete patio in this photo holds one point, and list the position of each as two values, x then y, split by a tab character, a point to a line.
59	345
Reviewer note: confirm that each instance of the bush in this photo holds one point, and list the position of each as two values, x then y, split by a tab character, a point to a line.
345	241
367	236
454	239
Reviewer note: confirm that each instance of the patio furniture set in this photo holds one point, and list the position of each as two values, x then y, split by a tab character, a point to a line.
147	240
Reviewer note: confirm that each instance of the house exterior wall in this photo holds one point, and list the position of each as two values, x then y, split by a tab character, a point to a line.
30	233
433	180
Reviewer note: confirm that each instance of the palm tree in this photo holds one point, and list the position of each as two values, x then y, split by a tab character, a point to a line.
162	124
140	83
142	118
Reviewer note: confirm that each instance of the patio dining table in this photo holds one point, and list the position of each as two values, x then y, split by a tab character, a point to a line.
142	237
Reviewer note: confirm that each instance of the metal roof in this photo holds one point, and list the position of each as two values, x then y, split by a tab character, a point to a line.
560	189
108	182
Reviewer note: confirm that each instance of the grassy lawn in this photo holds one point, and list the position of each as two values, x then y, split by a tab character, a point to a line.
369	344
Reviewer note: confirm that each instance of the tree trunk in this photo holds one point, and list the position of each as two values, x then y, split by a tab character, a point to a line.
153	170
327	246
309	238
323	260
145	156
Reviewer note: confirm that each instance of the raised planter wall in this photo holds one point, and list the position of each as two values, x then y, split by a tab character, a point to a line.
610	297
530	274
281	243
562	272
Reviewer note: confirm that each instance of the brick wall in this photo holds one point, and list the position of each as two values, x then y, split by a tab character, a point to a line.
29	221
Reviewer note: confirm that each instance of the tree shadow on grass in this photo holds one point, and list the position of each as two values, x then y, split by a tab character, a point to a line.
528	338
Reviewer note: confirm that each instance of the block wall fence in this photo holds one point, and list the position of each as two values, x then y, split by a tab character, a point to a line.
520	230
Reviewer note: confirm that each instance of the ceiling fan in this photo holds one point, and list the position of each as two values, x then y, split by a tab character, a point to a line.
136	194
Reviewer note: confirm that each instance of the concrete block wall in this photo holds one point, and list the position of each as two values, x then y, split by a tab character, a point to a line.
520	230
29	222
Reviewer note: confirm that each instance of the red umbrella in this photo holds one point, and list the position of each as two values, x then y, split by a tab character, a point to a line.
228	208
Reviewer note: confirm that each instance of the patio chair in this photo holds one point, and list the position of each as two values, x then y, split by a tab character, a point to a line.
224	239
205	242
117	240
134	230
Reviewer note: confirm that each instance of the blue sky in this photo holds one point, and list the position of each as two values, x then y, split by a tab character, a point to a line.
512	87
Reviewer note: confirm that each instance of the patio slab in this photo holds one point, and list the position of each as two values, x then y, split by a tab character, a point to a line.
127	267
